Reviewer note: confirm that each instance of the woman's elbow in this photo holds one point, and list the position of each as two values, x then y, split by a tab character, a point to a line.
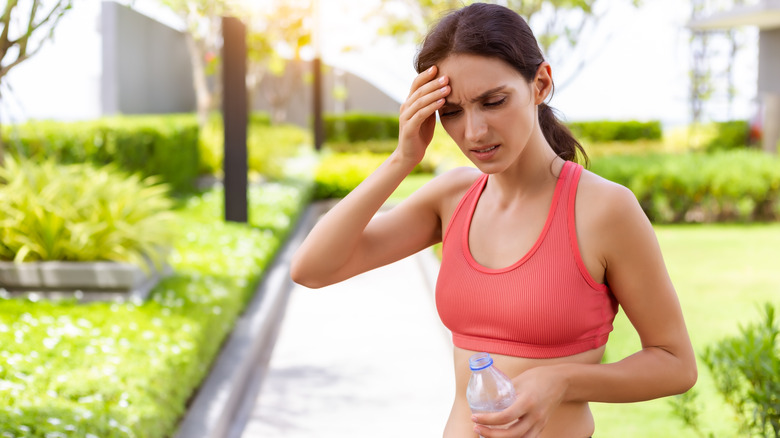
691	376
303	276
687	377
299	274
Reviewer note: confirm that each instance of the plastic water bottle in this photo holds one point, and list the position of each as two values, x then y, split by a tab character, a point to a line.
489	389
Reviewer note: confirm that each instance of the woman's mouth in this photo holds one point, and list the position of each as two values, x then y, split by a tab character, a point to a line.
486	152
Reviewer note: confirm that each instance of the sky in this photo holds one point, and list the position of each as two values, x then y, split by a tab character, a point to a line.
637	68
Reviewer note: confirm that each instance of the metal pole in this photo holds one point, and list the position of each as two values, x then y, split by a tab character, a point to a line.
319	129
235	117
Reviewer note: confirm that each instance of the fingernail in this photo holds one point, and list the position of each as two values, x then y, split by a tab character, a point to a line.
443	90
441	80
430	70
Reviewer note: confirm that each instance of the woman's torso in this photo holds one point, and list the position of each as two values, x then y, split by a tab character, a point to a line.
569	420
492	246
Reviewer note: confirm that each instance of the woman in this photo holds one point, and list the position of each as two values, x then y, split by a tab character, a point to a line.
537	252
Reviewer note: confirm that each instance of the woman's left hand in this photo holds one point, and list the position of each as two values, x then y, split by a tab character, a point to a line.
539	392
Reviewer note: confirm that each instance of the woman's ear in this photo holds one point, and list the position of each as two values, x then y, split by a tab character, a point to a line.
543	83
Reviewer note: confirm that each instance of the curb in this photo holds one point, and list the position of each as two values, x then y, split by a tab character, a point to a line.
218	409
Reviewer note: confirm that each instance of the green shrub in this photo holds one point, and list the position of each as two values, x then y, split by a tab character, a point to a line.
78	212
268	146
370	146
356	127
339	174
729	135
152	145
128	369
609	130
746	372
740	185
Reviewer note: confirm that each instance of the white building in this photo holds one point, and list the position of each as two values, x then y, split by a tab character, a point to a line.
766	16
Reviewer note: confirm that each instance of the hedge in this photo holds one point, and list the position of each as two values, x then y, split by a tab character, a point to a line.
738	185
610	130
354	127
353	132
268	147
729	135
151	145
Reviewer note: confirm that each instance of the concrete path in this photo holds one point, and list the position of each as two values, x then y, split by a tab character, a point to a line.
367	357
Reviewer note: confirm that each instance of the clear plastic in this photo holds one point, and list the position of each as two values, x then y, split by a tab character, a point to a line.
489	389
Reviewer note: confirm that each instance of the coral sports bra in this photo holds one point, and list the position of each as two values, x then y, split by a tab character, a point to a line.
543	306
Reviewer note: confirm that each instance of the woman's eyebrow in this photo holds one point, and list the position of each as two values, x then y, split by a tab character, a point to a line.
481	96
488	93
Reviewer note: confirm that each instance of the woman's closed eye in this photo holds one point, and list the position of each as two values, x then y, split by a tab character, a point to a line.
449	112
446	112
495	102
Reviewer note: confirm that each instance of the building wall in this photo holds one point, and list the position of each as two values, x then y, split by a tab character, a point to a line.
146	67
297	85
769	61
146	70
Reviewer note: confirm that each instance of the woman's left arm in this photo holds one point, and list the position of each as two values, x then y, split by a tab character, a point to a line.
637	275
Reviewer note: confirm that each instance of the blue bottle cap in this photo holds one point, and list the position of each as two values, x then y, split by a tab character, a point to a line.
480	361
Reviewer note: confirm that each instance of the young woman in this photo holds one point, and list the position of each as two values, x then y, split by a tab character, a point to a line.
537	252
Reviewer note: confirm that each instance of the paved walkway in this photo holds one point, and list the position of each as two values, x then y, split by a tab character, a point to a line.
367	357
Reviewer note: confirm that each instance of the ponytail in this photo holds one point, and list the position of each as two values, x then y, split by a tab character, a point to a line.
560	137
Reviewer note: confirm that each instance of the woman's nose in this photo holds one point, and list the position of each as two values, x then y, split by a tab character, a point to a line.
476	128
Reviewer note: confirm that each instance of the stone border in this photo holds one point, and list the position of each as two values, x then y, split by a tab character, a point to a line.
85	281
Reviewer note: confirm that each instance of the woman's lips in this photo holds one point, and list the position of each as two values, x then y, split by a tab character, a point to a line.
485	152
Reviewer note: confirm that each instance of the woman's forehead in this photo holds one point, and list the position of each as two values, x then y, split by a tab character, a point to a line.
472	75
475	67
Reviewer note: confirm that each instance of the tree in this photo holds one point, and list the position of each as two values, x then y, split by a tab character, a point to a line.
559	25
271	26
25	29
279	32
202	19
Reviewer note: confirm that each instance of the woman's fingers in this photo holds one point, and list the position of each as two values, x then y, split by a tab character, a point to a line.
426	89
422	78
426	105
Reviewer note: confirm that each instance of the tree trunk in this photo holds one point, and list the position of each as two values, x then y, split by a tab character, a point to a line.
202	93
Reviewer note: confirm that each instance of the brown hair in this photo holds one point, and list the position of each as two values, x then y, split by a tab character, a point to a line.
495	31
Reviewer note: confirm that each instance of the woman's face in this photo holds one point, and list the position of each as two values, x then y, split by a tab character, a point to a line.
491	110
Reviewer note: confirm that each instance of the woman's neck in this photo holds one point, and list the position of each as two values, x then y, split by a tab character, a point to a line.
536	167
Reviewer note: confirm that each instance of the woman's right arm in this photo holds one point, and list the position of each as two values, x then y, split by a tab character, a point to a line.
351	238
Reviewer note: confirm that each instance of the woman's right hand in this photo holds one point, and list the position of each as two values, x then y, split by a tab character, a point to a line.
417	120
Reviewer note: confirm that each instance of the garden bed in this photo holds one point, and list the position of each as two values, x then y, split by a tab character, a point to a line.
120	370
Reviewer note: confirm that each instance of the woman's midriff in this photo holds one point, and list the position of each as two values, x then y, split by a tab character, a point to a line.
571	420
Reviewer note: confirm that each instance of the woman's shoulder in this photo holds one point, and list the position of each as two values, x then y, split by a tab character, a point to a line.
454	182
604	202
446	189
597	190
610	211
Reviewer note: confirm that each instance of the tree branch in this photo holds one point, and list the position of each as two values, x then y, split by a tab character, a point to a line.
6	20
57	12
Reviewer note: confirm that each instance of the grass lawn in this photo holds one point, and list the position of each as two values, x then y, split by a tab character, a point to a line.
722	273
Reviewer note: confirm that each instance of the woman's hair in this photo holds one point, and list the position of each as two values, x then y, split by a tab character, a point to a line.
497	32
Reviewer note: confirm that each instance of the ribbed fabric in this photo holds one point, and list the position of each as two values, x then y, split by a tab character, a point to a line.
545	305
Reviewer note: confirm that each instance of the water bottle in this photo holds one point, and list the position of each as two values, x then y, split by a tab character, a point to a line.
489	389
